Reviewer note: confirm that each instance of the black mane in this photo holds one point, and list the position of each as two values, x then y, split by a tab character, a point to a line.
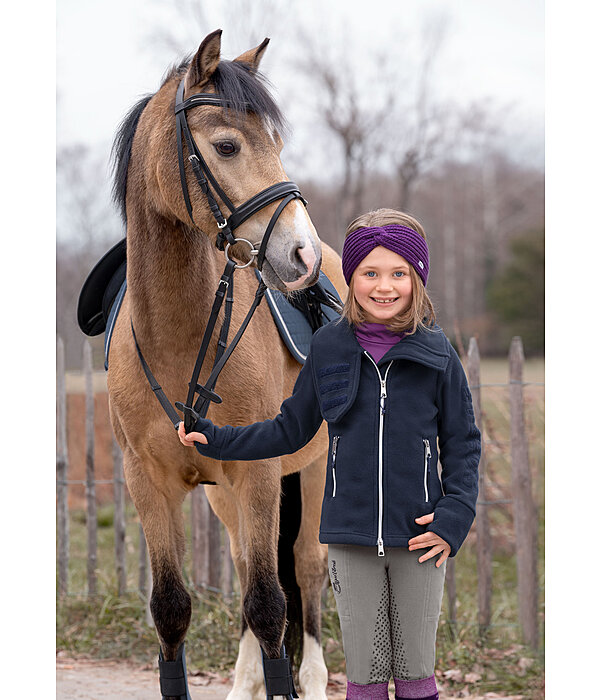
242	88
121	152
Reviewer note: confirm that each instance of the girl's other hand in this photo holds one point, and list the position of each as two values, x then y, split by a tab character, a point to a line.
429	539
189	439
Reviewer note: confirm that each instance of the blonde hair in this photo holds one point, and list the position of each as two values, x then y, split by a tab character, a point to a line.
420	313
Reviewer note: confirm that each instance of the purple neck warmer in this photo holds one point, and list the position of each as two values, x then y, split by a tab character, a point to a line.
376	339
400	239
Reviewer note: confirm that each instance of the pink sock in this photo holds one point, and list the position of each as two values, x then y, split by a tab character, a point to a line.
422	688
371	691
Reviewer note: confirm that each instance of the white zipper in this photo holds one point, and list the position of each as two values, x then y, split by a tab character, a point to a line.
427	458
382	398
333	453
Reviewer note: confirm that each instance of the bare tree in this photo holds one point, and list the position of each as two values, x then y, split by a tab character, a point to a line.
423	126
247	23
87	225
352	111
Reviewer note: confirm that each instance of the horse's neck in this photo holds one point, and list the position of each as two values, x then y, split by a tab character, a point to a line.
171	280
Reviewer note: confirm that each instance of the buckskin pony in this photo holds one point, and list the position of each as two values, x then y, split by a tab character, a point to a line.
173	269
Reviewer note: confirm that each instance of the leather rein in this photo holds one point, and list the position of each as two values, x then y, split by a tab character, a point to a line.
284	191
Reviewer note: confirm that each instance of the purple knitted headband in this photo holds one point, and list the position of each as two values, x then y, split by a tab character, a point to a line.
399	239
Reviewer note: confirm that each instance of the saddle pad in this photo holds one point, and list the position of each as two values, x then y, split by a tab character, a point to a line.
112	318
291	323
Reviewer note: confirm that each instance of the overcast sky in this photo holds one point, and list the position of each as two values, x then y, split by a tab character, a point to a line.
107	54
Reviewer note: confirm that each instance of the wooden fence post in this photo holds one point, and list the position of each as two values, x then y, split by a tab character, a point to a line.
206	542
214	549
484	540
62	468
227	568
149	618
200	544
145	575
524	511
90	486
119	520
451	592
143	564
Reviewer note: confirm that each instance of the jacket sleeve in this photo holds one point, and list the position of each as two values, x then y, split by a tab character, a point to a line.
298	420
460	450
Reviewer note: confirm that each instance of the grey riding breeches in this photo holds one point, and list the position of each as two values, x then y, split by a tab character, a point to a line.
389	609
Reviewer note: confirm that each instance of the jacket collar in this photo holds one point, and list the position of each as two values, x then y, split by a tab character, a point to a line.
336	353
427	347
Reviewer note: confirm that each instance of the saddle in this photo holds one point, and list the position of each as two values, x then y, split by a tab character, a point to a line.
296	317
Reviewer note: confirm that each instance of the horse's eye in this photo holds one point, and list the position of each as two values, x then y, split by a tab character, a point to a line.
226	148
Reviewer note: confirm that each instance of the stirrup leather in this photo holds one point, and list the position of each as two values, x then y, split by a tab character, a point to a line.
173	676
278	676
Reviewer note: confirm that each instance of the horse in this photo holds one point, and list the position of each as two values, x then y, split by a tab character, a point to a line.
173	268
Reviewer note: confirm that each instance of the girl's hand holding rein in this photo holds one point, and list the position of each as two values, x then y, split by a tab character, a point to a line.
429	539
189	439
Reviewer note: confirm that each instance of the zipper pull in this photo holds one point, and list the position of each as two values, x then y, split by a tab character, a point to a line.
380	552
382	397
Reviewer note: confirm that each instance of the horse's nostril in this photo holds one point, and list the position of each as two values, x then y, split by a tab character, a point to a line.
298	261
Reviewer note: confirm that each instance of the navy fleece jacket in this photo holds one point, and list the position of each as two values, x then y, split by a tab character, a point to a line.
388	423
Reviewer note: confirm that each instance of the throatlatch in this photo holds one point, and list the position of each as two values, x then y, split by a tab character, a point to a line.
278	676
173	676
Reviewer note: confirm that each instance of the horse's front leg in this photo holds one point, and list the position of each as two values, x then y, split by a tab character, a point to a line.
258	492
264	605
311	570
248	681
171	606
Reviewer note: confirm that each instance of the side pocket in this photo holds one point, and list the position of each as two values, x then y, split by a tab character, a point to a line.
336	439
426	468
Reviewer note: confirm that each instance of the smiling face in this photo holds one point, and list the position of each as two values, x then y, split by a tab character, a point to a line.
382	285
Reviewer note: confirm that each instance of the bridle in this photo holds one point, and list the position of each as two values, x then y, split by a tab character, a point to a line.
287	191
284	191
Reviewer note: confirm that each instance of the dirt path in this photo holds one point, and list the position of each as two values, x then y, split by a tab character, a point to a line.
86	679
83	679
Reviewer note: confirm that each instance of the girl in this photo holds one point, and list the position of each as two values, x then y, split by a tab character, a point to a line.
393	392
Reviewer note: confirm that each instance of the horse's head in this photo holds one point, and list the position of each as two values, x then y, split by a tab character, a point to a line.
239	139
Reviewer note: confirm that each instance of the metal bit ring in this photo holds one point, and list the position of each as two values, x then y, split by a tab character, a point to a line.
253	252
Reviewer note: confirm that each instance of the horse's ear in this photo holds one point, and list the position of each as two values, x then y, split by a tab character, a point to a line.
253	56
205	62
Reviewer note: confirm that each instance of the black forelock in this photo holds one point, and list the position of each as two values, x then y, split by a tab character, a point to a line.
243	89
241	86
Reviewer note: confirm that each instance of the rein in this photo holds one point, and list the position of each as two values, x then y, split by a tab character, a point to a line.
284	191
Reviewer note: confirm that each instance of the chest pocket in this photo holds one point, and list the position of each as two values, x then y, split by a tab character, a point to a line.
335	383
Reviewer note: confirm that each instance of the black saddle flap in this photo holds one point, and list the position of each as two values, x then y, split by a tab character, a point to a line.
100	289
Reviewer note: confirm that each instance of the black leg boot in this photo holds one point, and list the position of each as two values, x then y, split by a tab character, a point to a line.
173	676
278	676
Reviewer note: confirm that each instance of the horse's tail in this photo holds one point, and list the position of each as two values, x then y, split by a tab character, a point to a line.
289	527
